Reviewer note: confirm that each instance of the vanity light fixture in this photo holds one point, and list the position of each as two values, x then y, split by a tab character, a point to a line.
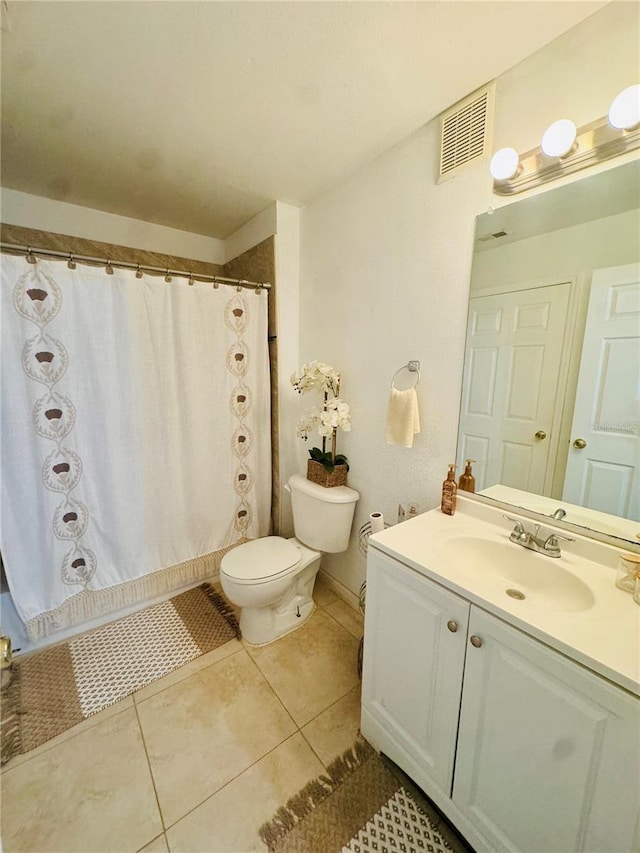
505	164
624	112
566	149
559	139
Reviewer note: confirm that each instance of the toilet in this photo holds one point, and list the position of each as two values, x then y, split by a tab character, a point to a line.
271	579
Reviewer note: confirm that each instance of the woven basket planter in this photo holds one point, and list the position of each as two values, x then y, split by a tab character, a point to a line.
317	473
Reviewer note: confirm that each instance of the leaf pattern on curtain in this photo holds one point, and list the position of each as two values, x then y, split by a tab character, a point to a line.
38	298
236	317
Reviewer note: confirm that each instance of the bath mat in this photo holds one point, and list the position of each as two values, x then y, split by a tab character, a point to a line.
54	689
363	804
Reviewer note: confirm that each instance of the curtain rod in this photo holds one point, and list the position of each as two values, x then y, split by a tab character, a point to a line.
71	258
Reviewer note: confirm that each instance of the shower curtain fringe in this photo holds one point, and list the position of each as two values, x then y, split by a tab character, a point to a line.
90	604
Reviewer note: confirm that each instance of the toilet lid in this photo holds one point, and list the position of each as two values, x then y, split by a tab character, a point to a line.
260	559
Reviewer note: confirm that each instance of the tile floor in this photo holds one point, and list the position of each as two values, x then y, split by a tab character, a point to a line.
198	760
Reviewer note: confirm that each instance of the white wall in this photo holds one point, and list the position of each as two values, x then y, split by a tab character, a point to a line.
386	256
45	214
287	250
263	225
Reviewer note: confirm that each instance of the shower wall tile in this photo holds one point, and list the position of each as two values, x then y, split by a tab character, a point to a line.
94	248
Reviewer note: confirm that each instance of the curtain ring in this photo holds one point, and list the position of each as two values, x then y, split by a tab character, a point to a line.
215	283
167	277
30	257
139	273
108	268
192	280
71	263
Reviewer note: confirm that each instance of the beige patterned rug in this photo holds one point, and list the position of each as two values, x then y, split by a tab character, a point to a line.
364	804
52	690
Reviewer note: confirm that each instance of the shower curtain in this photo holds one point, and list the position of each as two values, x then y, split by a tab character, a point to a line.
135	435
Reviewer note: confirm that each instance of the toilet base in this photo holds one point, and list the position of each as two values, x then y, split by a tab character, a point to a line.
261	625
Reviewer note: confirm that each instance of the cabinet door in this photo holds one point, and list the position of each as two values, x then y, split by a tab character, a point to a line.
548	753
413	662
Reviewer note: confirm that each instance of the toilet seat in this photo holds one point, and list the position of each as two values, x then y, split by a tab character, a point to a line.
261	560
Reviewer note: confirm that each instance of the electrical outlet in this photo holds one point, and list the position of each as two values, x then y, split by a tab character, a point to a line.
407	509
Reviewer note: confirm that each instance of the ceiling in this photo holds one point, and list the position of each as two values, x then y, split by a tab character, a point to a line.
197	115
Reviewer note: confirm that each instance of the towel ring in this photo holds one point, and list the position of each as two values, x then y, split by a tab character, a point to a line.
412	367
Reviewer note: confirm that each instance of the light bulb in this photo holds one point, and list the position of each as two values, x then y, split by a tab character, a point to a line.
624	112
559	138
505	164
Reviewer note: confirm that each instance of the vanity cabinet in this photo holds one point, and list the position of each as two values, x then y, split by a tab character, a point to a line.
415	642
524	749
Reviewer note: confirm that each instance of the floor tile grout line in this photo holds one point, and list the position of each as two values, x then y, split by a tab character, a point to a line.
339	699
37	752
237	776
300	727
311	747
153	781
180	680
273	690
326	610
161	835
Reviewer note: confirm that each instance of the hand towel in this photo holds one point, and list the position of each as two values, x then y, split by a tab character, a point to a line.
403	417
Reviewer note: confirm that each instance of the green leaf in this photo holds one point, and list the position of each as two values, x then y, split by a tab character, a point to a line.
341	459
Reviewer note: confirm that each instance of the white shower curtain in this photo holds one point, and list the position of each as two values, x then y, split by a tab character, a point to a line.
135	435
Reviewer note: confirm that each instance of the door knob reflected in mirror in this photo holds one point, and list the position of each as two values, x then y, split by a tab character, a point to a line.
541	435
579	444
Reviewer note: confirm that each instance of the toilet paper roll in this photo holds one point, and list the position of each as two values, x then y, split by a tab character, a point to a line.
376	519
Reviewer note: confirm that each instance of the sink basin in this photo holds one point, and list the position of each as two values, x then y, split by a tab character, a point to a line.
537	579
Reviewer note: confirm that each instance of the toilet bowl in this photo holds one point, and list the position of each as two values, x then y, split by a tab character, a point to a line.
271	579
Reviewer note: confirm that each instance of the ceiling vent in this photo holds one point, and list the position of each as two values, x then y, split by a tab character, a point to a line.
466	131
485	238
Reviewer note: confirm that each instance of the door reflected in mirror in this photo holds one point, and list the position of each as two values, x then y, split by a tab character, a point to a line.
550	404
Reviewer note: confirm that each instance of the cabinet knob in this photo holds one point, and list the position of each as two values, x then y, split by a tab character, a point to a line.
452	626
476	642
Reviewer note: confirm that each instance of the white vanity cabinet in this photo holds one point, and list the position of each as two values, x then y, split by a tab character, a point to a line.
415	642
524	749
548	753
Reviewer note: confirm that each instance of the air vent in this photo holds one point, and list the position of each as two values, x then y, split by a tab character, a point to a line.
466	131
485	238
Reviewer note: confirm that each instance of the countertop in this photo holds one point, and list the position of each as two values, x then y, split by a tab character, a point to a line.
605	636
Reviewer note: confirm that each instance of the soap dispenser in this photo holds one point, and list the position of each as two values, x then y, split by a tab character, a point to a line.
467	481
449	490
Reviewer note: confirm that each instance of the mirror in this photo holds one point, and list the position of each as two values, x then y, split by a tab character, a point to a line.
550	408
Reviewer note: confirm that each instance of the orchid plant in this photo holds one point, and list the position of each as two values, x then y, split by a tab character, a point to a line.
334	415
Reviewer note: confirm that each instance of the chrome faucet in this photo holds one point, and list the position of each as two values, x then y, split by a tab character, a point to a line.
533	541
559	514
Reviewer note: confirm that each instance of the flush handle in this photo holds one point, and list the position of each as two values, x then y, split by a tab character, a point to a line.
541	435
452	626
579	444
476	642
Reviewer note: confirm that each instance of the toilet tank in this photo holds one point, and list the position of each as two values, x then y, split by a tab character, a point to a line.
322	517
